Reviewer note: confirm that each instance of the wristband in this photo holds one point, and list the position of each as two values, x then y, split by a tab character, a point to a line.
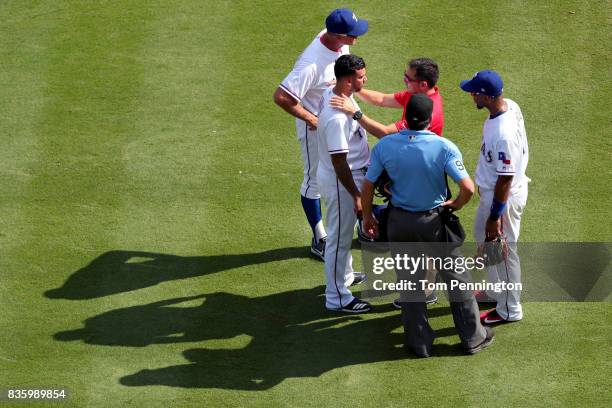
357	115
497	208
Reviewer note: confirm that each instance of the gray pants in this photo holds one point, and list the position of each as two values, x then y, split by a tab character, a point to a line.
426	227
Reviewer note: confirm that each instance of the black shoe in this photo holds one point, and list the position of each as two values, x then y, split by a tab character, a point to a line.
420	354
485	343
429	300
318	248
356	306
359	277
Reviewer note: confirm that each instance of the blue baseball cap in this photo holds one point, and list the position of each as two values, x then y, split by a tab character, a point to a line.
344	21
485	82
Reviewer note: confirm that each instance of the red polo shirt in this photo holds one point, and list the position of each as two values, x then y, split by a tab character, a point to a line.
437	116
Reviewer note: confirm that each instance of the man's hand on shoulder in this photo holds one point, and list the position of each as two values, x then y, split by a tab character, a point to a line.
344	104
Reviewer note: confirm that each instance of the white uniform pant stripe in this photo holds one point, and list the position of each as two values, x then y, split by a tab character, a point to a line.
335	260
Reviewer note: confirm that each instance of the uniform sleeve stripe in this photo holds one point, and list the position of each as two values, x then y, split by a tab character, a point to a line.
294	96
506	172
339	151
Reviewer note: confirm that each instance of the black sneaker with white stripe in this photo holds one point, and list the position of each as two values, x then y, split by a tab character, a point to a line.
356	306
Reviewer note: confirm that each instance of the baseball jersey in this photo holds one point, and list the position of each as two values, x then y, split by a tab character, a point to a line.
504	149
437	116
417	162
339	133
312	74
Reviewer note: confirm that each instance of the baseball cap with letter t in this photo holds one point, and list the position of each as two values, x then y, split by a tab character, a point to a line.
418	111
485	82
344	21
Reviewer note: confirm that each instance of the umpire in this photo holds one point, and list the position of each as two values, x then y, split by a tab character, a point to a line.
417	162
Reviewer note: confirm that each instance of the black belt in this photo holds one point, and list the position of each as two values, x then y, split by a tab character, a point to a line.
436	210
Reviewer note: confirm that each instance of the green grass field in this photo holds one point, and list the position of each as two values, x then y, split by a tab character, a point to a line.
153	250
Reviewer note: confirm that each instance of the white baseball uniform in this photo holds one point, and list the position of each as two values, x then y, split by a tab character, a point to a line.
504	151
339	133
312	74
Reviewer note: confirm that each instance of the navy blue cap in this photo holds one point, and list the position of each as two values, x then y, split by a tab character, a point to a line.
344	21
485	82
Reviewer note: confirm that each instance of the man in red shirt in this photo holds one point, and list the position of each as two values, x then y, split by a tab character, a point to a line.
420	76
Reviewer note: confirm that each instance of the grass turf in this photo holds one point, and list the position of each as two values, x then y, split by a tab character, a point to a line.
153	246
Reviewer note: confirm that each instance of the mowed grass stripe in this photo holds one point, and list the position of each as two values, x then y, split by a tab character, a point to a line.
90	85
91	88
21	104
177	157
179	180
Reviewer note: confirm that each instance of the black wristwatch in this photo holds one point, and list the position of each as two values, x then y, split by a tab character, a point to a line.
358	115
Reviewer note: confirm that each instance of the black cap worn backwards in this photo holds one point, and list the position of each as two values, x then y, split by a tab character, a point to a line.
418	111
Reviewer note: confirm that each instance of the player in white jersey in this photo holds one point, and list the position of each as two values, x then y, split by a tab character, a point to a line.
299	94
344	155
502	185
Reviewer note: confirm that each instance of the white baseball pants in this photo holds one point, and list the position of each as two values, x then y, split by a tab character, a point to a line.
508	301
310	158
340	220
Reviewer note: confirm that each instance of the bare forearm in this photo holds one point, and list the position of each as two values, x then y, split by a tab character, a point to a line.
345	175
367	197
371	97
299	112
376	128
500	197
466	191
378	98
502	188
293	107
463	197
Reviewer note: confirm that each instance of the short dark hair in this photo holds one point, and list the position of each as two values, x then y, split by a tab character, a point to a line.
347	65
425	69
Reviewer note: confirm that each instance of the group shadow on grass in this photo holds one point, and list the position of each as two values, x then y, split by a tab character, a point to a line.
124	271
290	333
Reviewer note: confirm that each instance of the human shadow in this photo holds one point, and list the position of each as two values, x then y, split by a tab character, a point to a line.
283	335
124	271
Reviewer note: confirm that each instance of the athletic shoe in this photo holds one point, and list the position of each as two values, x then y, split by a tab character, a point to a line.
357	306
359	277
491	317
482	297
485	343
422	354
429	300
318	248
